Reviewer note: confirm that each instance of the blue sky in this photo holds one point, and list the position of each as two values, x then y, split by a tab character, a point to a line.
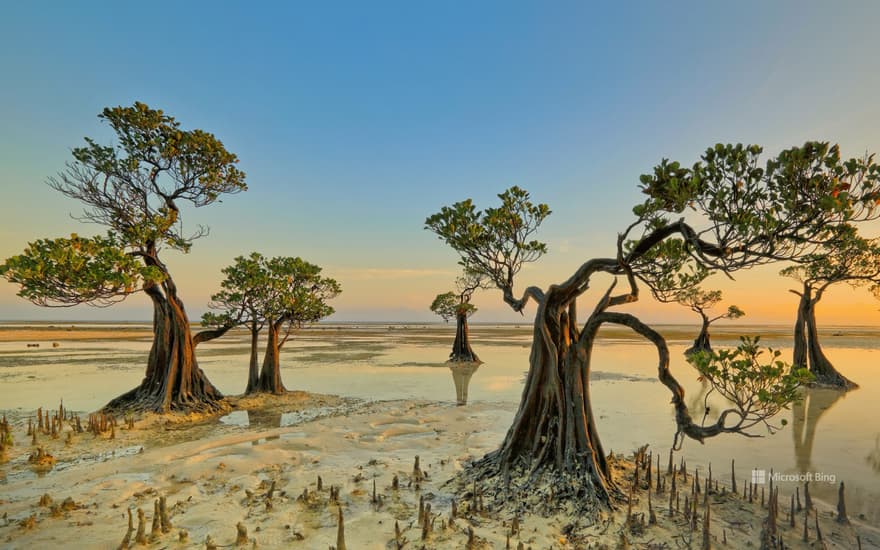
354	121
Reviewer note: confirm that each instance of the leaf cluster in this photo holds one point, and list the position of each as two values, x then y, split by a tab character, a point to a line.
259	290
851	258
701	301
758	212
135	185
495	242
65	272
758	387
449	305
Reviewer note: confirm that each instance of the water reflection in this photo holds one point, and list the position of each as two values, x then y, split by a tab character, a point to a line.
265	419
461	376
805	417
698	405
273	418
236	418
873	458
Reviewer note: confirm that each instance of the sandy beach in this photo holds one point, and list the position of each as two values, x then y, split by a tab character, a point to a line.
216	475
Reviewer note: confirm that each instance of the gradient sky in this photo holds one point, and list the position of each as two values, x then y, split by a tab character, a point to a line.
356	120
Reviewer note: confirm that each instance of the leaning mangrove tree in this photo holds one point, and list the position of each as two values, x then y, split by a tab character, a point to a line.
136	188
727	212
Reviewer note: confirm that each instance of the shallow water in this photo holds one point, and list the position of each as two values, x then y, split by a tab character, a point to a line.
831	436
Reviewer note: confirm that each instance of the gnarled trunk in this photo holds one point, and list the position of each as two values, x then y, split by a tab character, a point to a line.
461	347
553	438
173	380
253	367
270	373
702	342
807	350
552	452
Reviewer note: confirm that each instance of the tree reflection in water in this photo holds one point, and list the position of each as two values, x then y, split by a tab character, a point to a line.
805	417
461	376
873	458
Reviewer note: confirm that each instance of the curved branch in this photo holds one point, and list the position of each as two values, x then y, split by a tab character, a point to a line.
683	420
210	334
532	292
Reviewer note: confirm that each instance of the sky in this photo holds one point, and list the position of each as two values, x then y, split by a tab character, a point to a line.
354	121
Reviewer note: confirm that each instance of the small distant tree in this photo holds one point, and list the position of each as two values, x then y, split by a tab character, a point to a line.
742	213
136	188
239	302
852	260
281	294
701	302
458	306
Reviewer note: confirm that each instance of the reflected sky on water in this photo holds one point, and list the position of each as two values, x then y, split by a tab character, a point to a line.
830	435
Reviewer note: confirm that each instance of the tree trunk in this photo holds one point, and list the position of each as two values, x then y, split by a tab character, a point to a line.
173	380
702	342
799	355
253	367
553	438
270	374
810	354
461	347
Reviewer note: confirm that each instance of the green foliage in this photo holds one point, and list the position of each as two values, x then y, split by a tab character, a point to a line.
495	242
297	292
68	271
134	186
756	386
734	312
668	268
275	290
241	293
701	301
698	298
764	212
449	305
851	258
445	305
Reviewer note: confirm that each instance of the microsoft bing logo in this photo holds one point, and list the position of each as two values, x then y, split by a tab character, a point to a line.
759	477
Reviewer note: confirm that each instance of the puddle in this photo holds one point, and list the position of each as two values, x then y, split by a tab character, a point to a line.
21	470
266	439
236	418
264	419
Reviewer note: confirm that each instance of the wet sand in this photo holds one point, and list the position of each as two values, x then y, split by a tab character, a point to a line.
217	474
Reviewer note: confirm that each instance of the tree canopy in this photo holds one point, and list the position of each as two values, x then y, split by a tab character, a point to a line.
64	272
135	189
496	242
727	212
701	301
276	293
286	289
852	259
448	305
